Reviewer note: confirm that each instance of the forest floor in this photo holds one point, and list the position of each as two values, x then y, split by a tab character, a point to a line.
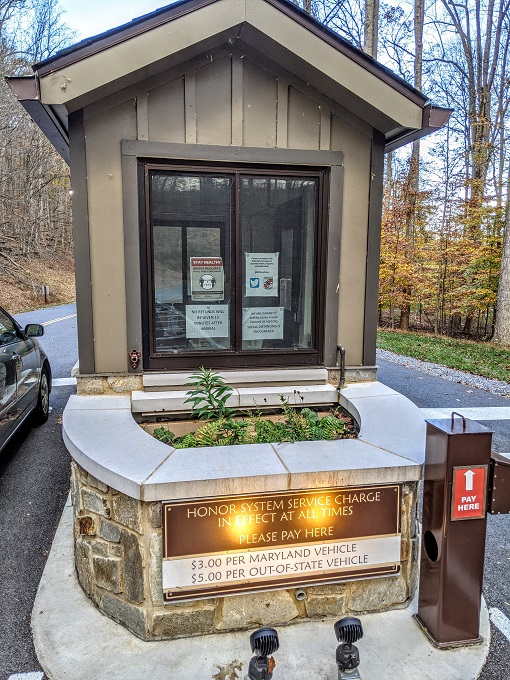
21	287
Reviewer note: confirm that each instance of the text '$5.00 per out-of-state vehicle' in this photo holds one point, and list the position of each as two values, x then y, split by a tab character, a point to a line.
25	377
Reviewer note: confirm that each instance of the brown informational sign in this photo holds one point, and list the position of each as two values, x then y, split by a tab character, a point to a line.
224	545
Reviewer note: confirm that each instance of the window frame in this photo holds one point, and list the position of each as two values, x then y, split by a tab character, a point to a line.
236	358
137	152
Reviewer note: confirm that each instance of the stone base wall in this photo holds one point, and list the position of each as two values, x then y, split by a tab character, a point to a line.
125	383
353	374
118	553
117	383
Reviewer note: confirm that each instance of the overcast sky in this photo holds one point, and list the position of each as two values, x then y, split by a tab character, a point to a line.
90	17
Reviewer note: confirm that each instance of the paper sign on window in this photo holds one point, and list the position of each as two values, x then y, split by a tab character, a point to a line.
262	274
207	321
207	278
263	323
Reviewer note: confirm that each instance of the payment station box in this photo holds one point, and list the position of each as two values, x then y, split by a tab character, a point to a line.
499	484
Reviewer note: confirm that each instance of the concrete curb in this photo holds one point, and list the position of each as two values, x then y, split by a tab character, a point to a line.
73	641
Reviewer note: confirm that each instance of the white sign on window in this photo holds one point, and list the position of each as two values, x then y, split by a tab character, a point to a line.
263	323
262	274
207	321
207	278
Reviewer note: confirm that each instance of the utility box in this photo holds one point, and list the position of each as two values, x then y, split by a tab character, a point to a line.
457	461
499	484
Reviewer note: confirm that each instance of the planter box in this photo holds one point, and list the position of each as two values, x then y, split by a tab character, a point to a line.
121	475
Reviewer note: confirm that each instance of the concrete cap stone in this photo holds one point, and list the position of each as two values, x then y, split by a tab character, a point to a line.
217	471
103	437
344	462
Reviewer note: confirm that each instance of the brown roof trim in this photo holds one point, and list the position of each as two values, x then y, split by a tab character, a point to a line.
349	50
433	119
24	87
147	22
26	90
118	35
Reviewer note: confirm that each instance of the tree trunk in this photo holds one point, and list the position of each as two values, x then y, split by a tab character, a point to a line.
405	315
502	327
413	180
371	27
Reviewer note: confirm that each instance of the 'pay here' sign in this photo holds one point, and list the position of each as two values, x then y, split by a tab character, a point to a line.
469	492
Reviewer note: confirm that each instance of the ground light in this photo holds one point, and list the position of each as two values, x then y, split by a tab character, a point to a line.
348	631
264	642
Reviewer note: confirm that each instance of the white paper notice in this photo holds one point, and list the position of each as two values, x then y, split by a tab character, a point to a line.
263	323
262	274
253	565
207	321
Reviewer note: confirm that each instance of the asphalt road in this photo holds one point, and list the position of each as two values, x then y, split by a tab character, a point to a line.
430	392
34	483
60	341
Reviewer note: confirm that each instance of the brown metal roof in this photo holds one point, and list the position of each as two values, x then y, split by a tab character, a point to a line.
53	119
147	22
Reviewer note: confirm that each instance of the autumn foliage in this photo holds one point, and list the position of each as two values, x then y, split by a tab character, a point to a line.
446	269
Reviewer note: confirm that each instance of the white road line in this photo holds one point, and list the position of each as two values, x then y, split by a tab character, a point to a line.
482	413
63	382
36	675
62	318
500	621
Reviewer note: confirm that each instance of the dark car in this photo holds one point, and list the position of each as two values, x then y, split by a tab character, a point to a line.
25	377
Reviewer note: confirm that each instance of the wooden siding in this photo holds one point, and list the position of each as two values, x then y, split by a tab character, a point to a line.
353	255
219	98
166	112
260	100
105	205
231	100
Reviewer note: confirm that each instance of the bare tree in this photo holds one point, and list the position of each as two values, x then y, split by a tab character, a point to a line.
502	327
371	31
34	180
483	35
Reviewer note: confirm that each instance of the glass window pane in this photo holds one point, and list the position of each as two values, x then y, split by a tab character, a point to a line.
191	225
278	230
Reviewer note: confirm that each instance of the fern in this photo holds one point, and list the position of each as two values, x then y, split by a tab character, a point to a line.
297	425
186	442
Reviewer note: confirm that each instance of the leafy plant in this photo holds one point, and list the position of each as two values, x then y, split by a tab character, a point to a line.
293	425
163	435
209	396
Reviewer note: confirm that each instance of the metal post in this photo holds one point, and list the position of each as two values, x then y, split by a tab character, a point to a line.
453	532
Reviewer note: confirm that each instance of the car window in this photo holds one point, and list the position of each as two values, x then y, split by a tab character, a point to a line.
8	332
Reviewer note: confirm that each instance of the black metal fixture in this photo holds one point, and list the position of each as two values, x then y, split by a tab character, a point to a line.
340	349
264	642
348	631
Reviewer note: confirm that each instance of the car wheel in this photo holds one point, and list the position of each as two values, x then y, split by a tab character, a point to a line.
42	409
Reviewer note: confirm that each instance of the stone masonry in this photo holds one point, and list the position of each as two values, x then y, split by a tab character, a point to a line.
118	548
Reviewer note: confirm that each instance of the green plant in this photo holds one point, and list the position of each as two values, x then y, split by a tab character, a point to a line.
294	425
222	432
163	435
209	396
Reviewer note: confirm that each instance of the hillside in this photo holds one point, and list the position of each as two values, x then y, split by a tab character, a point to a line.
21	283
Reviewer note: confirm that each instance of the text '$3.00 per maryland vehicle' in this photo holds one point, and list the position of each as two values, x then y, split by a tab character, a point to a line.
25	377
